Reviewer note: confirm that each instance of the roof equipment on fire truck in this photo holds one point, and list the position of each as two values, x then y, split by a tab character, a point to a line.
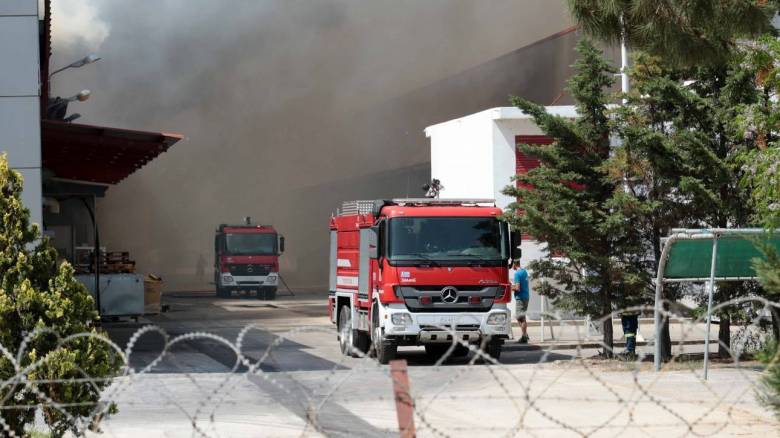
433	188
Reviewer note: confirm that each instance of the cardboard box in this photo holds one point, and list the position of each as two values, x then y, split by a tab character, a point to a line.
152	294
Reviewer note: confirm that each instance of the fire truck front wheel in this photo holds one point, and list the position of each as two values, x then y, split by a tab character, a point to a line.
492	348
384	349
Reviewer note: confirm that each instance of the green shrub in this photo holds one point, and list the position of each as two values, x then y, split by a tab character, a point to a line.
41	305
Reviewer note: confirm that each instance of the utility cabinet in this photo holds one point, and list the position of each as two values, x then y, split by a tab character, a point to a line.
120	294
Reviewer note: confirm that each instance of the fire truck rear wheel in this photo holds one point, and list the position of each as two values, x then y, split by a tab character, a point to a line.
345	331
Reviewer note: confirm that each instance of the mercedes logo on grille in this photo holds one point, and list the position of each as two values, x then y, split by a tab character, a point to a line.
449	294
250	269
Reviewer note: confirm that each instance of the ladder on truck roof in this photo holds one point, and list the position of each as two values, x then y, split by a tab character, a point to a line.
349	208
443	201
365	206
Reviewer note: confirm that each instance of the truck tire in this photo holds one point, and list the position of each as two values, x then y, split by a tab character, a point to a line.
493	349
362	343
384	349
345	330
352	342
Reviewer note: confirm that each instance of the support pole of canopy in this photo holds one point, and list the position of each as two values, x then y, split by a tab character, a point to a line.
96	259
709	304
659	287
541	316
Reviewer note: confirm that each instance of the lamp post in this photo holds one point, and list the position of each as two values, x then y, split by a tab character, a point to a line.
59	106
89	59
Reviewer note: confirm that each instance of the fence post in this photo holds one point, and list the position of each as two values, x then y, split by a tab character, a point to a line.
404	404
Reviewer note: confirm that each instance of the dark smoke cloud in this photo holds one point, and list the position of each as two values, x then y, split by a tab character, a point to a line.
278	100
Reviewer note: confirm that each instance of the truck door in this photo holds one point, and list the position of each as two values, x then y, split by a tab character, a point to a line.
367	239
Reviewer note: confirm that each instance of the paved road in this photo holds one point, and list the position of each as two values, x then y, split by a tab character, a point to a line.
304	386
313	349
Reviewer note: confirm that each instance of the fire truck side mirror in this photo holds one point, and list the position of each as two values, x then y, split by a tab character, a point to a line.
281	244
516	240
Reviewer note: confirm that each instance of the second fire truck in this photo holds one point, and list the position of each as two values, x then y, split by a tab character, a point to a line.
246	257
429	272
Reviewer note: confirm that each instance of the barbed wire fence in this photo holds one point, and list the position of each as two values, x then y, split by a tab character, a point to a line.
577	394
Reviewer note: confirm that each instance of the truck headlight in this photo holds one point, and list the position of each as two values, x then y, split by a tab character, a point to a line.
401	319
227	278
497	319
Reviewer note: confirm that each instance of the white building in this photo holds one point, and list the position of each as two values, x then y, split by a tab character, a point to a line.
20	91
476	156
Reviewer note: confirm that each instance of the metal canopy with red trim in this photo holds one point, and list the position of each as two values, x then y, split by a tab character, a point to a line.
99	154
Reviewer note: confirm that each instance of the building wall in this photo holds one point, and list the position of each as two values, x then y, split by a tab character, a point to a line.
477	155
20	135
462	158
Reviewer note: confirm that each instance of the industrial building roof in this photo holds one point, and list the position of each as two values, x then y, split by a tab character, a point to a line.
99	154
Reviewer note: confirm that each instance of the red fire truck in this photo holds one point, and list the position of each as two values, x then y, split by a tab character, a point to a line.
428	272
246	257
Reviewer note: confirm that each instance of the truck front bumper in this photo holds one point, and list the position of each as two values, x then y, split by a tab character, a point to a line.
428	328
246	281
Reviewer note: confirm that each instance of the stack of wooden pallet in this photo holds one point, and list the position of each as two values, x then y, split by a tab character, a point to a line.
117	262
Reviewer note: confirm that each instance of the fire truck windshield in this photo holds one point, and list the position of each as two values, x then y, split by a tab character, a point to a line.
448	240
251	243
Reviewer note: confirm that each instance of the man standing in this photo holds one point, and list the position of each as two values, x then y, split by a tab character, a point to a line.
520	288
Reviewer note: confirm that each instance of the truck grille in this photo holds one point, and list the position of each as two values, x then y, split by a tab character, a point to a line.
459	327
249	270
412	298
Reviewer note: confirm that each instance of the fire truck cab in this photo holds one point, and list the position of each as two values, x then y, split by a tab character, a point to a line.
411	272
246	257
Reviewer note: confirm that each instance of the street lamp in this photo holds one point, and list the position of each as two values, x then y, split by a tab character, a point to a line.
58	106
89	59
81	96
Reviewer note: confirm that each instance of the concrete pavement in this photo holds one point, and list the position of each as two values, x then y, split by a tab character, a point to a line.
305	387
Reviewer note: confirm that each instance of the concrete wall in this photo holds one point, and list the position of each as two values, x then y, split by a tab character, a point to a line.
20	135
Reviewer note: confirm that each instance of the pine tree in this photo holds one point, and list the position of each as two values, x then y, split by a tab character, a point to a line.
37	295
684	32
679	158
761	179
569	204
